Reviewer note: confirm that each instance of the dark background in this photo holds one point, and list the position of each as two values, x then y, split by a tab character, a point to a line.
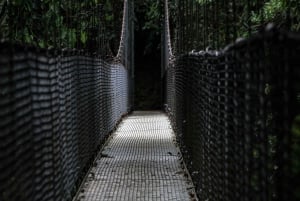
147	61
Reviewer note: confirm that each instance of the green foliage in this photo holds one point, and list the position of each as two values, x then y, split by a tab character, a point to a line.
202	2
216	23
152	16
148	15
272	8
55	23
294	6
272	11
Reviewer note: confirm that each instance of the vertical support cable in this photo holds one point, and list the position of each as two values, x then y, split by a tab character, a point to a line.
217	17
227	35
235	22
205	24
198	33
249	24
288	15
184	24
260	4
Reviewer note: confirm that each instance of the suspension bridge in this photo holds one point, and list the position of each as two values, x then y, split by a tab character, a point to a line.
229	129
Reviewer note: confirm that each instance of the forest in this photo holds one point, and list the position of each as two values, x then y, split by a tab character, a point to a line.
62	24
84	24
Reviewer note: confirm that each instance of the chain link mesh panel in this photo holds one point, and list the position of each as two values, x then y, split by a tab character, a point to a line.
56	108
233	111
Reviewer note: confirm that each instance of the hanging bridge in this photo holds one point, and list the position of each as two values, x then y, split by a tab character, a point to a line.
229	129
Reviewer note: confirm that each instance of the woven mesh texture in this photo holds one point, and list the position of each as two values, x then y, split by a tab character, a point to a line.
55	110
232	111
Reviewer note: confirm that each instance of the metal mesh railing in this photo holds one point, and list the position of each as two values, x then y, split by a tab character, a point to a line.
56	108
235	113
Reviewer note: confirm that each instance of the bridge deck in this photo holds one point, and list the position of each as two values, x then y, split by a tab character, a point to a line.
140	162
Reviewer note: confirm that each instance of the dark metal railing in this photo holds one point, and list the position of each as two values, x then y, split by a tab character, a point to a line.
57	106
236	115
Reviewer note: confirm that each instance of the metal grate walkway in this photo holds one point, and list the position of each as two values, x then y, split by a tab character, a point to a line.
140	162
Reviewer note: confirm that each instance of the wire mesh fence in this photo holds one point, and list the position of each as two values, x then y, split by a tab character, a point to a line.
57	105
56	109
233	112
